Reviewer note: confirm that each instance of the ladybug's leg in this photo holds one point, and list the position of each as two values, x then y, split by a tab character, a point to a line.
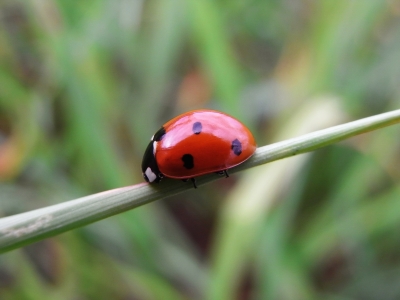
224	172
194	182
159	177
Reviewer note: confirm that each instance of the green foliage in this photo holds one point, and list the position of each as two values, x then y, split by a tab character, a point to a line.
83	86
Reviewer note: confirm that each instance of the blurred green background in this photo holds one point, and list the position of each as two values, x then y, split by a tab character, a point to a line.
85	84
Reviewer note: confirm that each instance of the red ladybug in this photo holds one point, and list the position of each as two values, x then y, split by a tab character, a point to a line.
196	143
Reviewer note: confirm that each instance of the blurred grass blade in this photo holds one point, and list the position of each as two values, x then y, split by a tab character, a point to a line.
29	227
213	47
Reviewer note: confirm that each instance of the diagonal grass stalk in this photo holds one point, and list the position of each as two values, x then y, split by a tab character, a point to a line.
25	228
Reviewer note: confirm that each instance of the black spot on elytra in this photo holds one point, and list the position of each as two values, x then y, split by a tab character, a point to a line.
188	161
197	127
236	147
159	134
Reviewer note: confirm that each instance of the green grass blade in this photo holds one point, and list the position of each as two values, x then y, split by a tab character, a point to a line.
25	228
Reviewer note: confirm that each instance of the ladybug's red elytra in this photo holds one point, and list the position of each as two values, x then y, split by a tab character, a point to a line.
196	143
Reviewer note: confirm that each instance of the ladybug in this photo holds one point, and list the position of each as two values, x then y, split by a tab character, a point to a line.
196	143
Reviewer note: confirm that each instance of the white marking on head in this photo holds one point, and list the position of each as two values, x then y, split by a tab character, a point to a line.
152	138
154	148
150	175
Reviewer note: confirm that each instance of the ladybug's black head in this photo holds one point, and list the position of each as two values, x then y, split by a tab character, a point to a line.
149	165
150	170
